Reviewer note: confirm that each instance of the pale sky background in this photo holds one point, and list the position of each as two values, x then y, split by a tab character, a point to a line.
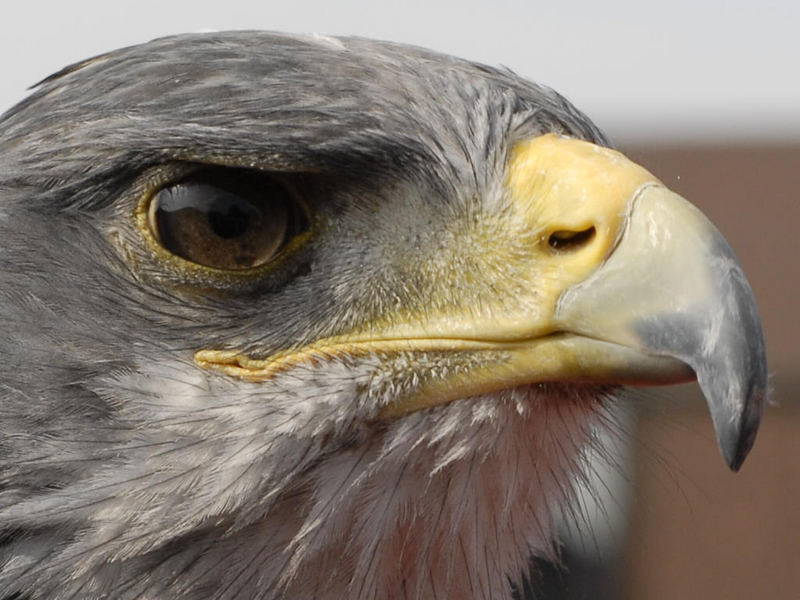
676	71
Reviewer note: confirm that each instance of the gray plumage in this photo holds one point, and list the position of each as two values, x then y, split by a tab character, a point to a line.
128	472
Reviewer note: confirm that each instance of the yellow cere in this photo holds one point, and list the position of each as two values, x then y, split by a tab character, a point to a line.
562	184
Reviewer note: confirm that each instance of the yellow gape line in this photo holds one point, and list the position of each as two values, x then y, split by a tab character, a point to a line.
242	366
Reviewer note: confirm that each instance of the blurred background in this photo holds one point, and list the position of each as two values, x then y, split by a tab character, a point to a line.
706	95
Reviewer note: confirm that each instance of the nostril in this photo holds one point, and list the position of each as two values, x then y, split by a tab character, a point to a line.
565	240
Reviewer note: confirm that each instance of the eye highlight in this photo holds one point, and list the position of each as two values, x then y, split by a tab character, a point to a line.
230	219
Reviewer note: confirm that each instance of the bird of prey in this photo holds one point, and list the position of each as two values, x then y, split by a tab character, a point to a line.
307	317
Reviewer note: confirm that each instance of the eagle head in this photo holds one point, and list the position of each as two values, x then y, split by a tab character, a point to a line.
304	317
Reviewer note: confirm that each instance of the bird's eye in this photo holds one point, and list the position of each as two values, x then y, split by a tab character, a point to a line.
226	218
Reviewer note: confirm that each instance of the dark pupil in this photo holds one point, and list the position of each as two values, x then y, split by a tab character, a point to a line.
228	220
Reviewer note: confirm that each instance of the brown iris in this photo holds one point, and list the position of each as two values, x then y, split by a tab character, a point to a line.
226	218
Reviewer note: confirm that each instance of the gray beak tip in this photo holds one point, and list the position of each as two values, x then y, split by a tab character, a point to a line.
736	441
736	422
735	386
736	436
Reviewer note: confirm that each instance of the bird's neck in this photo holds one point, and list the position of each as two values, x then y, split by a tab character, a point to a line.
446	504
